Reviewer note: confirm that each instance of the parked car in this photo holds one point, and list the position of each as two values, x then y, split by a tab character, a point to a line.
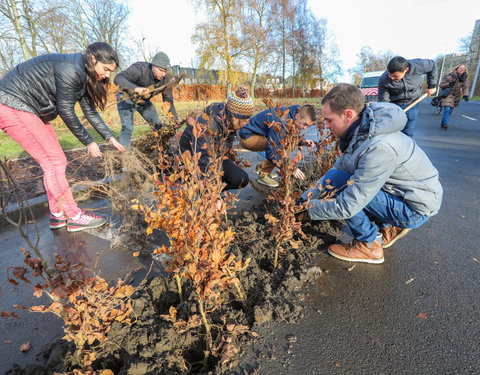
369	85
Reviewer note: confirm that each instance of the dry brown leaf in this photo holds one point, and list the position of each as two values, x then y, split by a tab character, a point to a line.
25	347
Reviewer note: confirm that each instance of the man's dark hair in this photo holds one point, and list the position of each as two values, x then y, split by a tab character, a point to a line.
308	110
397	64
345	96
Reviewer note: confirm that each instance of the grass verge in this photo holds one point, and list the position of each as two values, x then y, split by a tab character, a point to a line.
12	150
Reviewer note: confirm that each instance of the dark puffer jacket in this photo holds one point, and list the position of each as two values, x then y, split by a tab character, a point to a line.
222	137
51	85
140	74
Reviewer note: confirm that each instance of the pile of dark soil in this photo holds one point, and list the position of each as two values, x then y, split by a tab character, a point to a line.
154	346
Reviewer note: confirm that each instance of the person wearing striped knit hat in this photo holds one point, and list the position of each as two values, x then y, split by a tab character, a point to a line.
224	119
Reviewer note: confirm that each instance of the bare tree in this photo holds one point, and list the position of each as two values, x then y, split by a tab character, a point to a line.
283	15
368	60
58	26
219	44
98	20
256	32
316	52
327	57
53	27
23	17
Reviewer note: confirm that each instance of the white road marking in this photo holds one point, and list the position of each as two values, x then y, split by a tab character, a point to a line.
470	118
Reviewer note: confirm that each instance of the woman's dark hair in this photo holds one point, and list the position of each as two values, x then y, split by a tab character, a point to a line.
98	89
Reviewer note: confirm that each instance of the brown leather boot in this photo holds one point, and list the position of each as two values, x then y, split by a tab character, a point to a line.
391	234
358	251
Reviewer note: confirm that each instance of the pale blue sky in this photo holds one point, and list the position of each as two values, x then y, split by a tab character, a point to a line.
410	28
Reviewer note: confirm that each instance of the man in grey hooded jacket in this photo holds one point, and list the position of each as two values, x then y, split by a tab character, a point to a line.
383	184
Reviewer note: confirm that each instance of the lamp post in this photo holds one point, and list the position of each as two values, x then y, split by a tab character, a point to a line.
441	73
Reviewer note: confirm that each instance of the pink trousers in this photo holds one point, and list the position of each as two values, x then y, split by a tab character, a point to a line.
40	141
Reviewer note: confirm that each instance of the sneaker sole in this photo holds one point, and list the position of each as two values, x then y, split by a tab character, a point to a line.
271	175
372	261
402	234
265	184
76	229
56	226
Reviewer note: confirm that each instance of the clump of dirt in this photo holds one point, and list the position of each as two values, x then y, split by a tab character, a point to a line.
154	346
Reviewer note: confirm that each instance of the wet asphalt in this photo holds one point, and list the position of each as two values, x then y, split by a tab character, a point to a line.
417	313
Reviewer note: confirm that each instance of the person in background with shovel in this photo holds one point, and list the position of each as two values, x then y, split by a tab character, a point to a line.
382	184
137	85
401	84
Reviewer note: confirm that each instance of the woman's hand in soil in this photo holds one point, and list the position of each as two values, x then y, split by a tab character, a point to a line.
94	150
116	144
298	174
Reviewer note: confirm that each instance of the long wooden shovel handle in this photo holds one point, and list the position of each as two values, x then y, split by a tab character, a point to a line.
416	102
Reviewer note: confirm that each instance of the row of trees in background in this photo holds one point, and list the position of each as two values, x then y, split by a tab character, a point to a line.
369	61
31	27
279	38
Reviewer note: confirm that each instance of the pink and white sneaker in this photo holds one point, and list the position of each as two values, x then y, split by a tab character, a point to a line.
85	221
56	222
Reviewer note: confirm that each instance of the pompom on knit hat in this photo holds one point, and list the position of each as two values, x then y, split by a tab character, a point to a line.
240	104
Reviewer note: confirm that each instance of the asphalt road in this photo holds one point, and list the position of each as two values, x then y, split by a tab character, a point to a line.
417	313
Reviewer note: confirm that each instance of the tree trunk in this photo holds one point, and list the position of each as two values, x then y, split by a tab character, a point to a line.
284	53
253	81
18	28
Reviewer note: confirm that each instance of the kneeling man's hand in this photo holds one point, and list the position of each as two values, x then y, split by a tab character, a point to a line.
298	174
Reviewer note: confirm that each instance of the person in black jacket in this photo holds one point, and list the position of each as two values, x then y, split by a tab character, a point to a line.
136	79
224	120
401	84
37	91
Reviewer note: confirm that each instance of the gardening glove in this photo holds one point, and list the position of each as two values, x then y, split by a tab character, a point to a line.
451	84
465	97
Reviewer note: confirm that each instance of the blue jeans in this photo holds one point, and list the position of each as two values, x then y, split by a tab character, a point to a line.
384	210
412	115
446	115
126	111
